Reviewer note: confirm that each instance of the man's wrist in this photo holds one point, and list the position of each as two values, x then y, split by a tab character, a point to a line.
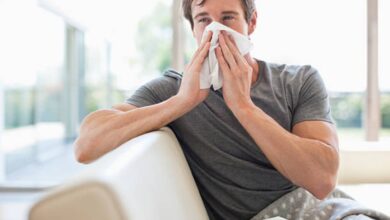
244	109
183	103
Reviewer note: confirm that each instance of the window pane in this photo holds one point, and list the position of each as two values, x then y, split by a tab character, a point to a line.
331	36
96	73
141	51
384	66
33	62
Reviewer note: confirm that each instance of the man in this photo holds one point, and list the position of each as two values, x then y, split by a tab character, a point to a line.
265	133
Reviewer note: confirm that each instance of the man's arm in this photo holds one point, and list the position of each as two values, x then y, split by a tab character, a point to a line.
308	156
104	130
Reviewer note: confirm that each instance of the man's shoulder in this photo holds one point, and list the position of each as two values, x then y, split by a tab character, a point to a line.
291	71
291	74
169	80
157	89
171	73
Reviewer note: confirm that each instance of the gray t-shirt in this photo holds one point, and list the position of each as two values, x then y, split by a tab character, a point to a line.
233	175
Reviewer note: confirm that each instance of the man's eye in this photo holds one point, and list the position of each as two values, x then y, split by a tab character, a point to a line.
203	20
228	18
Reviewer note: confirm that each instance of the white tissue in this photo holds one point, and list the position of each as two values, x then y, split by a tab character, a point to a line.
211	74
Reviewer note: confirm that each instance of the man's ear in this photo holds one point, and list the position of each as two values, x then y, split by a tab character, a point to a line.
252	23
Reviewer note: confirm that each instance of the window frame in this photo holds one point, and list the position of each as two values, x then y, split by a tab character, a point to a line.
372	111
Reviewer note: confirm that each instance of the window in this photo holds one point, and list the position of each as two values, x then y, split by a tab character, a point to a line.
142	50
61	64
384	67
126	53
128	47
97	80
32	54
331	36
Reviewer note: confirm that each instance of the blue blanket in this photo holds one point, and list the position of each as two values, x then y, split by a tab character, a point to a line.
302	205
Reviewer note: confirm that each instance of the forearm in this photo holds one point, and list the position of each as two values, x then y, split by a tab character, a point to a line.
104	130
142	120
309	163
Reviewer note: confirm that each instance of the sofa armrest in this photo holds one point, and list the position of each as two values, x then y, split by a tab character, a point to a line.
145	178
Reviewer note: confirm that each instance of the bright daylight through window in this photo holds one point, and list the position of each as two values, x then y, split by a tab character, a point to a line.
75	62
331	36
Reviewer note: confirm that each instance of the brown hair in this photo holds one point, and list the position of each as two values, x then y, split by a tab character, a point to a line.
247	5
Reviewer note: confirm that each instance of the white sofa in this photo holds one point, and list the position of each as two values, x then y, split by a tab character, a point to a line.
149	178
145	178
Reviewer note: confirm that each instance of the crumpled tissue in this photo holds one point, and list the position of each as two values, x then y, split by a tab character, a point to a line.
211	74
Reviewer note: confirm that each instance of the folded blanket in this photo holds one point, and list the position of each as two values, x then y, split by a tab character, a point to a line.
302	205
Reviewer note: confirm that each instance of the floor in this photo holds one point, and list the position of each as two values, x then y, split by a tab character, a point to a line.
49	172
375	196
15	206
27	185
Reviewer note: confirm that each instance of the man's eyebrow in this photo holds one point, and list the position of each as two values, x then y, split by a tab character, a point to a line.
230	12
224	13
201	14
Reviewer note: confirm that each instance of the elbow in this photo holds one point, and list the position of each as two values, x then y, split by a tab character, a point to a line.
326	180
82	152
81	156
324	187
93	131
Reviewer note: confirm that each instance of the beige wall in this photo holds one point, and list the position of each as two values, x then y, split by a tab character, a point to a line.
365	165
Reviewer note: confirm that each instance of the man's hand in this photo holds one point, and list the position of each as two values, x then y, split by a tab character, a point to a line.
190	91
237	74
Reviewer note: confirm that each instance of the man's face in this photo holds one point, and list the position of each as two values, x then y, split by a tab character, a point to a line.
226	12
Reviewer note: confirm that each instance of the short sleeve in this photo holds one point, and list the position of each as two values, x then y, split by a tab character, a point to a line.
155	91
313	100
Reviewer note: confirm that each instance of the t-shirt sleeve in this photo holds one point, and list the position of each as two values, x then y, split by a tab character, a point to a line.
313	100
153	92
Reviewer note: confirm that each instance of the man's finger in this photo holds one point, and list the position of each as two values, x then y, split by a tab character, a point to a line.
206	40
201	46
222	63
226	52
234	50
199	59
208	37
